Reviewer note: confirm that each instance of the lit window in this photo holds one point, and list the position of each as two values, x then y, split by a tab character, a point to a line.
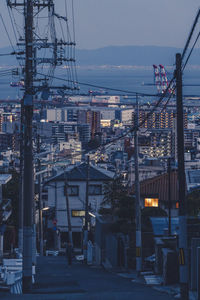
78	213
151	202
177	204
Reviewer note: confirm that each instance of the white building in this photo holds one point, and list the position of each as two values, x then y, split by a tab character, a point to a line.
75	181
127	116
72	147
107	114
54	115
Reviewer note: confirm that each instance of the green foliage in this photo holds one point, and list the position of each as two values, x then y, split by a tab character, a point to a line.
94	143
193	203
114	191
122	206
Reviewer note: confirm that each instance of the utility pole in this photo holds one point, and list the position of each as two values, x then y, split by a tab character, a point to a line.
21	200
40	200
169	194
34	43
28	155
183	247
68	212
85	233
137	196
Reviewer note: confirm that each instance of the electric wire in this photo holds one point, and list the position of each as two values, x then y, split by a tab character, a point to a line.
133	128
190	35
7	32
186	62
110	89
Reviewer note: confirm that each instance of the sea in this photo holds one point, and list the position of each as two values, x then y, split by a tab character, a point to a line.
114	80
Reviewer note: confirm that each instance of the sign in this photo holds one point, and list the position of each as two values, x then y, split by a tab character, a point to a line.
181	257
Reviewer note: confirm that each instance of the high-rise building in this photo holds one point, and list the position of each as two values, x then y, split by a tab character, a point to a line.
84	131
159	120
92	118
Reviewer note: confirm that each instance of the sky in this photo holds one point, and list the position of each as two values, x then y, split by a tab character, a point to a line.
101	23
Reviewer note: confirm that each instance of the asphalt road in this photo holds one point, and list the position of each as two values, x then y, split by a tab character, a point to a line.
55	281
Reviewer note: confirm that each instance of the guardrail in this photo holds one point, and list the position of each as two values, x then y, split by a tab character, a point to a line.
11	275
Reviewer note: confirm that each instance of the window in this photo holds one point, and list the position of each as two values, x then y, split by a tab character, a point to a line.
45	197
151	202
78	213
73	190
95	189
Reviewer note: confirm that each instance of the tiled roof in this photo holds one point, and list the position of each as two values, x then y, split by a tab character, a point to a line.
79	173
158	186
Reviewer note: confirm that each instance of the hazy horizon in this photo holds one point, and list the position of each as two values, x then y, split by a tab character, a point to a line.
104	23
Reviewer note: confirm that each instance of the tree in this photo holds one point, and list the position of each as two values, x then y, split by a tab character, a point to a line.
94	143
121	206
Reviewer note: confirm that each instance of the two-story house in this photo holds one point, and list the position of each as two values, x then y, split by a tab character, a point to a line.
74	180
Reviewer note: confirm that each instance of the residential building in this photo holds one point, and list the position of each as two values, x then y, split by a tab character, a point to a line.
154	192
159	120
74	180
92	118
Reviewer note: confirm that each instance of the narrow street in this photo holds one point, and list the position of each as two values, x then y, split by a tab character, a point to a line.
55	280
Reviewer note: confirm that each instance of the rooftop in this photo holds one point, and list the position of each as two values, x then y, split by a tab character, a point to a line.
79	173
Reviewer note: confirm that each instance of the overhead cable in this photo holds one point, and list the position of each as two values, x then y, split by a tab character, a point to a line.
190	35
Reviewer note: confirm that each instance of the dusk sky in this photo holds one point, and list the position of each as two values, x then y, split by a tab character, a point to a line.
101	23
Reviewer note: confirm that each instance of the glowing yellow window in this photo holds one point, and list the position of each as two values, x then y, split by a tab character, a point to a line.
151	202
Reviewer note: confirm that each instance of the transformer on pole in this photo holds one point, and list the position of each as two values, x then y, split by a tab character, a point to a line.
34	53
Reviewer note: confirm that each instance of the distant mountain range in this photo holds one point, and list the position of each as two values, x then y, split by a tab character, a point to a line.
120	55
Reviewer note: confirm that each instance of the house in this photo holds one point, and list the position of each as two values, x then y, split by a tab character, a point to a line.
74	180
154	192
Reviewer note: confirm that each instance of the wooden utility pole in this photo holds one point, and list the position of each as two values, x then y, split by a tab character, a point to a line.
183	245
137	196
28	149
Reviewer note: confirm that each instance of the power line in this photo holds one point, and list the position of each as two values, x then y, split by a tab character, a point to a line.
133	128
190	52
190	35
107	88
7	32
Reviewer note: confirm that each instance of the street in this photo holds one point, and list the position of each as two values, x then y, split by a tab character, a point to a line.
55	280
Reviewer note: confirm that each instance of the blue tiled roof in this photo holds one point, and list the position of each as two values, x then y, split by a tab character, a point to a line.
79	173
